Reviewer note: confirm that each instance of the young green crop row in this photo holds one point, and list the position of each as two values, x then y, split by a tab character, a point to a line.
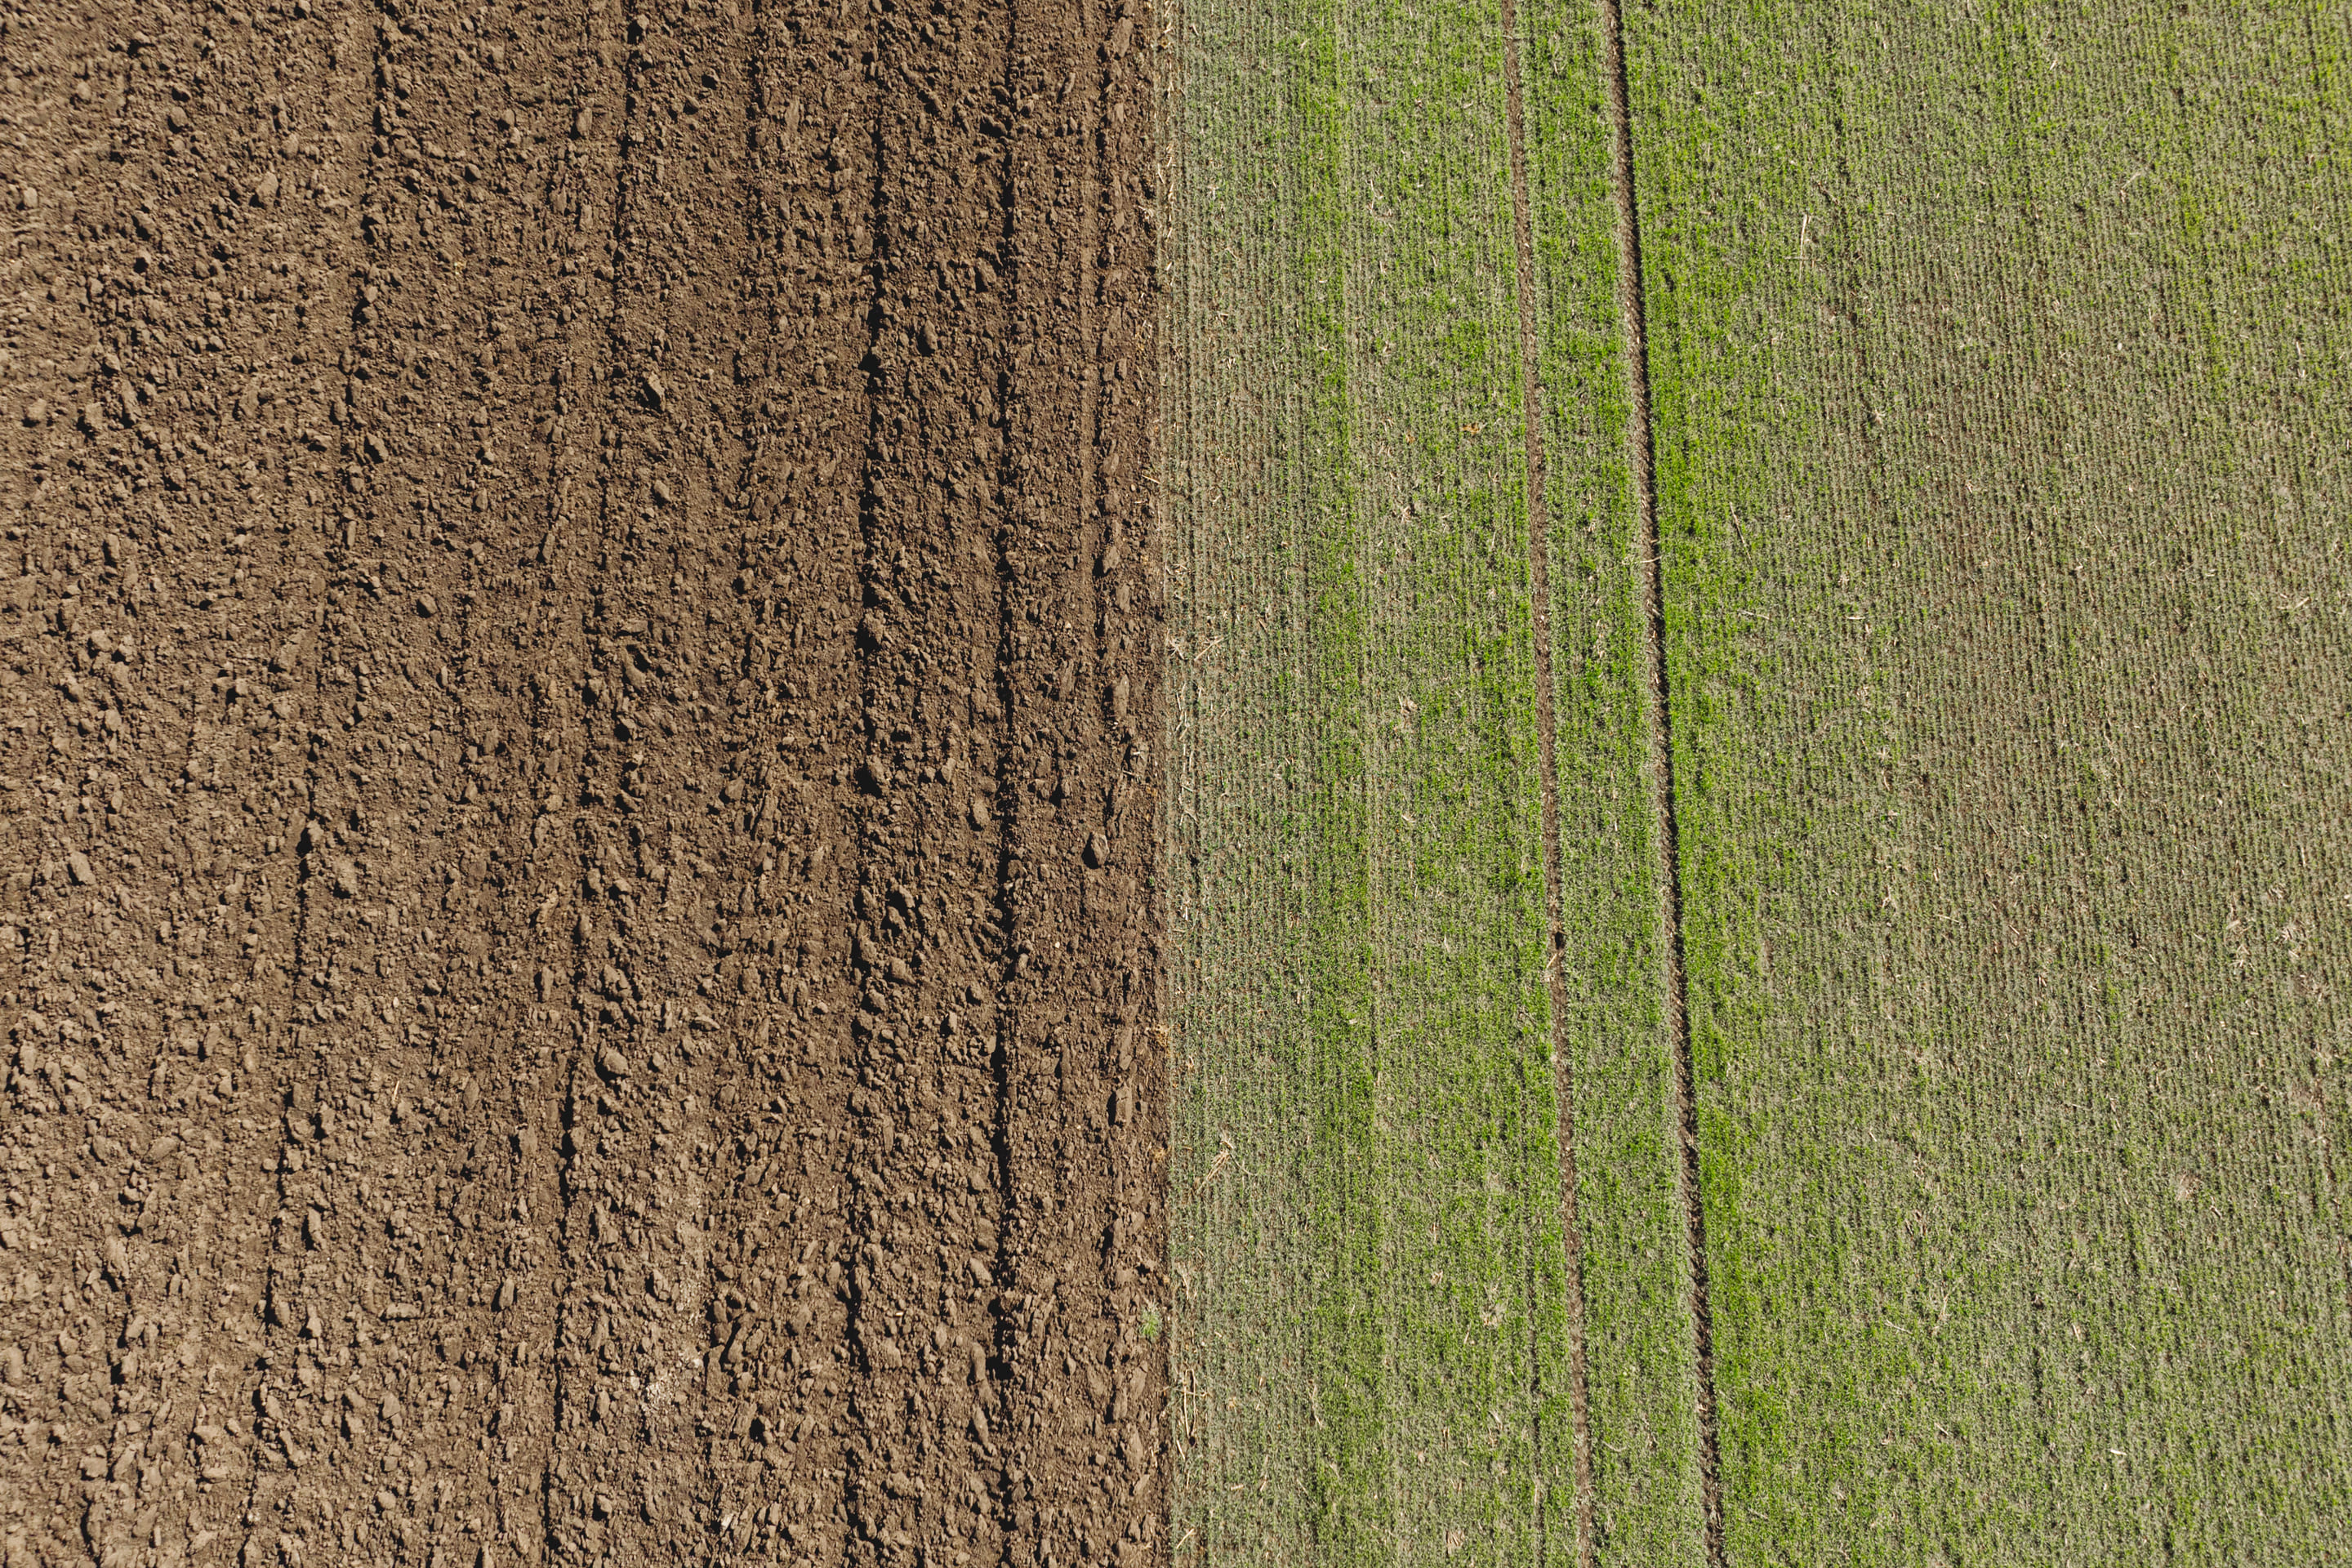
1995	364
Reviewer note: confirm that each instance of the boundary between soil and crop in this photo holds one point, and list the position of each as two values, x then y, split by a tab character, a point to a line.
1555	943
1642	448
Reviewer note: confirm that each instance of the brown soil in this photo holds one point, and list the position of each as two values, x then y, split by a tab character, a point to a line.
577	737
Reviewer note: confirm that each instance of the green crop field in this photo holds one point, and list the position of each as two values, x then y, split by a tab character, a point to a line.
1846	548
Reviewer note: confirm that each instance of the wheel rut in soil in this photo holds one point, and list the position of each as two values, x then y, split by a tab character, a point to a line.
581	719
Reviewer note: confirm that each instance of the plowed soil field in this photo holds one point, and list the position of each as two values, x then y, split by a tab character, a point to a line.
580	737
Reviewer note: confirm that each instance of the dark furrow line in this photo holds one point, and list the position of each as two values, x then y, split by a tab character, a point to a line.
863	1220
568	1033
581	1082
1531	401
309	843
300	937
1004	960
740	1079
307	848
572	1396
1090	94
1642	451
559	1027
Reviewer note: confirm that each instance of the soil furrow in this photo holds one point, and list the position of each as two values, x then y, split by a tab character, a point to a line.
778	1337
573	125
1078	1321
922	1203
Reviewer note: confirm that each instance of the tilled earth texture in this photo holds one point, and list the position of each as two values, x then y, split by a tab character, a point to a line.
579	739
